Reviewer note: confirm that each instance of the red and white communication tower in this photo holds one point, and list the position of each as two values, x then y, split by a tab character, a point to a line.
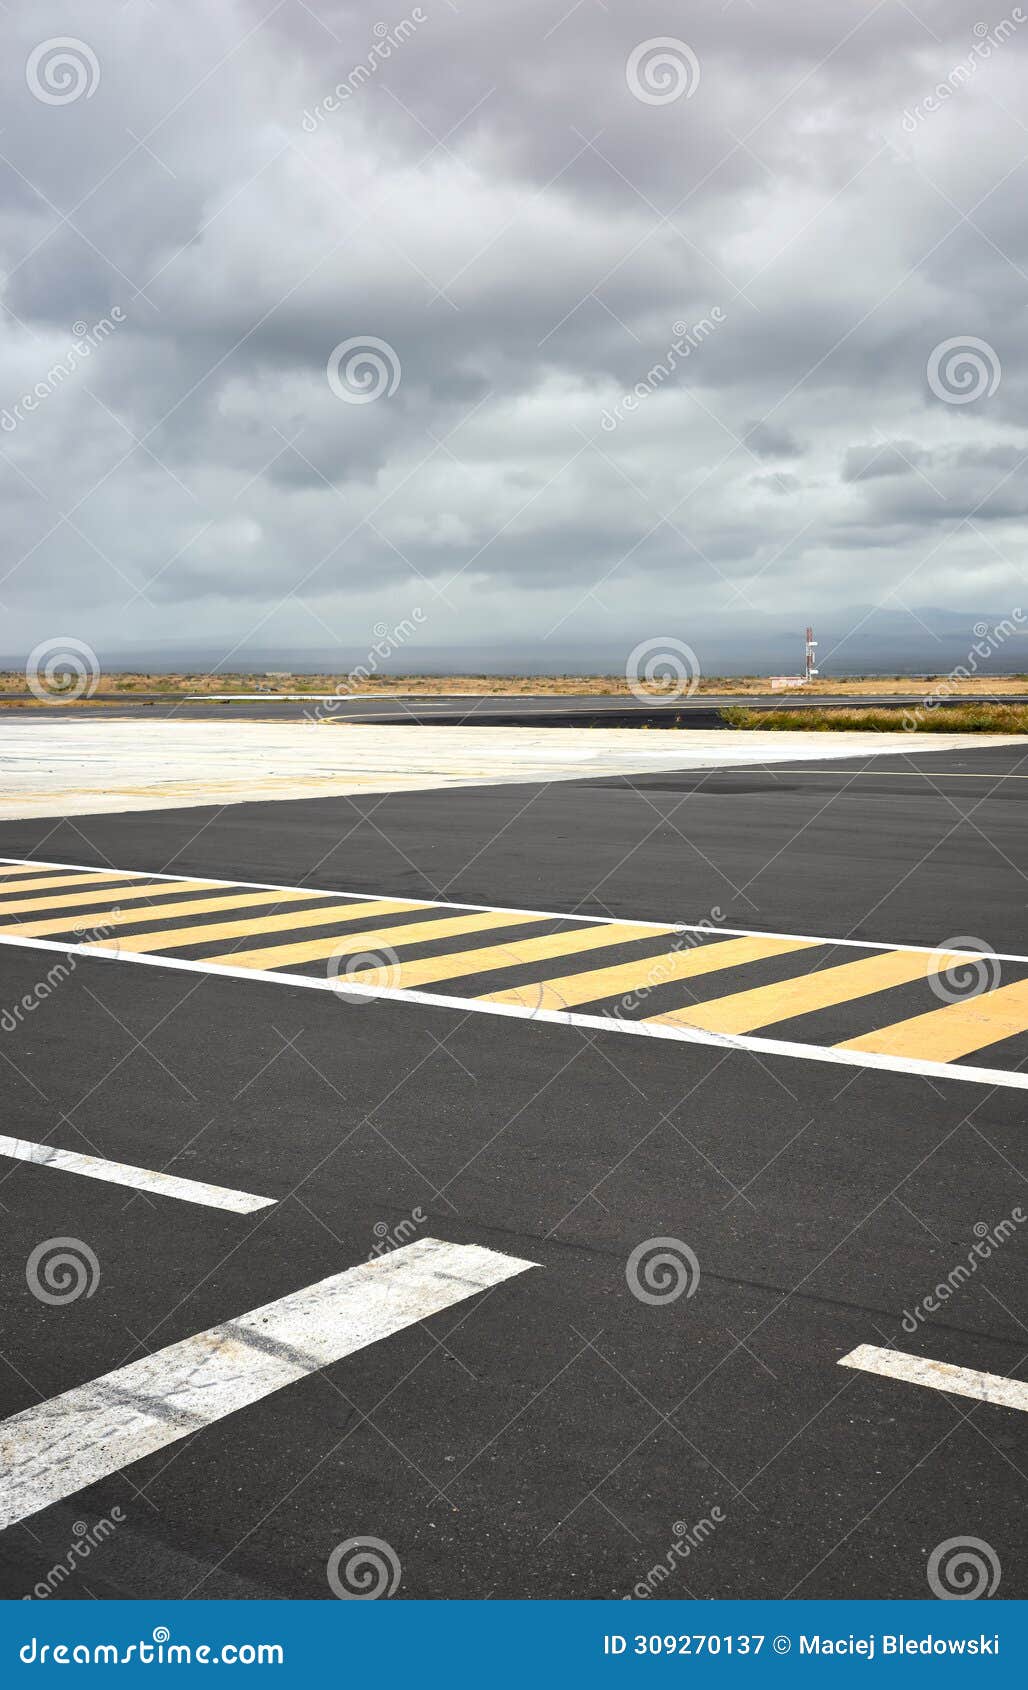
810	668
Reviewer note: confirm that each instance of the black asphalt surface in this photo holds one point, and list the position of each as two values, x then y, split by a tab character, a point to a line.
488	710
545	1438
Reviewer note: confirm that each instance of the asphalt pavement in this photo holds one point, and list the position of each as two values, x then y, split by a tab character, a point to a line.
575	1424
701	710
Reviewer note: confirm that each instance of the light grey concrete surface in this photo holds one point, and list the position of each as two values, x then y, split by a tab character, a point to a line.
88	767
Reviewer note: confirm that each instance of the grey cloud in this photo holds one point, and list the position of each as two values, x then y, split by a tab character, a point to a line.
781	483
769	440
864	463
198	468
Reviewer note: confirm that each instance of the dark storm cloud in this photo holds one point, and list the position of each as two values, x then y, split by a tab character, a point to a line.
864	463
607	315
767	441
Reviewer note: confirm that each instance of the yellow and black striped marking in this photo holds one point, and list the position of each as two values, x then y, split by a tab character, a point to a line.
875	1005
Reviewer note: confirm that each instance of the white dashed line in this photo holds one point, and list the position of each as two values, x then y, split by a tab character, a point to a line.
939	1376
140	1179
58	1447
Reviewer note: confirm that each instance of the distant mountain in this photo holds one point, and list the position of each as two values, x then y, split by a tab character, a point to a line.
856	640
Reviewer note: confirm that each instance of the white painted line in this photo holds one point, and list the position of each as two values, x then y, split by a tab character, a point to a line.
140	1179
544	915
882	774
428	698
271	697
1010	1078
58	1447
939	1376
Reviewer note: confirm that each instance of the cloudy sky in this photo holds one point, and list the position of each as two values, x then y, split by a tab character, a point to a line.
319	313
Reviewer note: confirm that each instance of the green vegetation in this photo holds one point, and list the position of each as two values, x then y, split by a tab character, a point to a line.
955	719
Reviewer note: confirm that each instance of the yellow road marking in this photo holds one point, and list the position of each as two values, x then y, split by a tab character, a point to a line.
27	868
943	1035
170	938
65	900
58	880
740	1012
125	918
356	944
646	973
424	970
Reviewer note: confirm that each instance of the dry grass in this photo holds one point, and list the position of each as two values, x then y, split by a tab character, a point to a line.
181	685
956	719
